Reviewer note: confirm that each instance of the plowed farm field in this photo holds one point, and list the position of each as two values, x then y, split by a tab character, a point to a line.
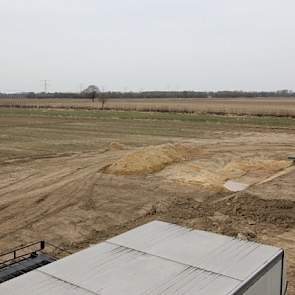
77	177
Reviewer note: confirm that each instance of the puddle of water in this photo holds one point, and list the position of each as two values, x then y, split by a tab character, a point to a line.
235	186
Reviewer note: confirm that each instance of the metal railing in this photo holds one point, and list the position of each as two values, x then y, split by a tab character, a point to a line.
26	251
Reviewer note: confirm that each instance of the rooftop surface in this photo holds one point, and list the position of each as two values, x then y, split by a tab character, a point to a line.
156	258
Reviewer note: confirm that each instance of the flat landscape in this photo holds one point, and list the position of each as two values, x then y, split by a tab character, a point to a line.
76	177
269	106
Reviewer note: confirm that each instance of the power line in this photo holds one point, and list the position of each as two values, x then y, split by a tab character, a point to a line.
45	85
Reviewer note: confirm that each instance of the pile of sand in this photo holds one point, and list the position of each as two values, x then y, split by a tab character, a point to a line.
255	165
215	174
117	146
150	159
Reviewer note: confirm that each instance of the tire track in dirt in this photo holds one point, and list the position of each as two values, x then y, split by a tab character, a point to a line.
47	196
17	181
64	197
56	174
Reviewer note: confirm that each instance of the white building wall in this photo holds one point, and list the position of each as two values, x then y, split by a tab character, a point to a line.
269	283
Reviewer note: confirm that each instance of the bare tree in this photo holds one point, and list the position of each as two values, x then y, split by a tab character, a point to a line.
92	95
102	100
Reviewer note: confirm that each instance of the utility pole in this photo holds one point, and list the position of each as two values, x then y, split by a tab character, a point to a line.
45	83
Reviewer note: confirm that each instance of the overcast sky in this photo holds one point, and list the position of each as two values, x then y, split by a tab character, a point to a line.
147	44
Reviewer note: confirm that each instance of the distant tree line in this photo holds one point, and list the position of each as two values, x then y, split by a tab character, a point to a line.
153	94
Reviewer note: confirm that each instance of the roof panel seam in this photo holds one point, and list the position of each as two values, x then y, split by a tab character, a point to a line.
178	262
66	282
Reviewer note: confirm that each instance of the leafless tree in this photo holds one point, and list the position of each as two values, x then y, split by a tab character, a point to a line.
92	95
102	100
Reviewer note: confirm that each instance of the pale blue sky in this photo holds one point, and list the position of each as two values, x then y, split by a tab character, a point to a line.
147	44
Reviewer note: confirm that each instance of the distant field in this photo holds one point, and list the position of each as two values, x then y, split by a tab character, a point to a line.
135	116
244	106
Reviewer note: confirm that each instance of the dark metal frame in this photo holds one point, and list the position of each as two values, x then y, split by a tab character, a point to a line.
25	259
15	257
40	246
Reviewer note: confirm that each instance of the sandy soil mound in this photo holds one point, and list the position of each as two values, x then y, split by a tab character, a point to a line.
150	159
117	146
258	165
243	206
215	175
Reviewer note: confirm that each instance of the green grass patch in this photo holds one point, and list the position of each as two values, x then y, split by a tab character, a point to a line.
263	121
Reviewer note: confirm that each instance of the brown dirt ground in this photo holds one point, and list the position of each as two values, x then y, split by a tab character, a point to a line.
53	184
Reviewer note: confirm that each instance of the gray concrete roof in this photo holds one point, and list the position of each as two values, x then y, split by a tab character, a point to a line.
157	258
